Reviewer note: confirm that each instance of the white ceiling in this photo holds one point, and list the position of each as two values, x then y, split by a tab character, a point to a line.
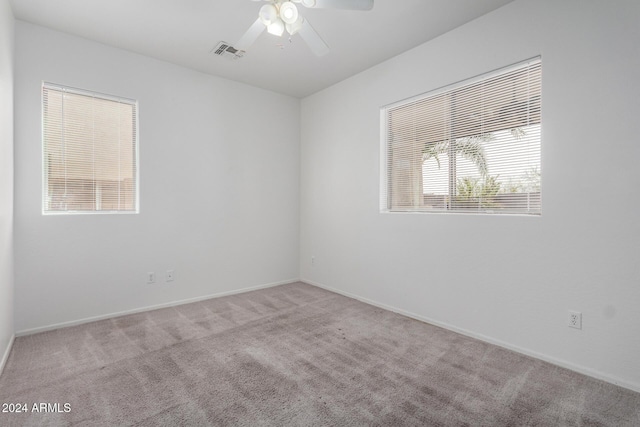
185	31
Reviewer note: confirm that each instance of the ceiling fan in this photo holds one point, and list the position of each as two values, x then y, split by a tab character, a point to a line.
279	15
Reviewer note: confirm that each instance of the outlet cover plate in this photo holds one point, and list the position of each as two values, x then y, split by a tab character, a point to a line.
575	319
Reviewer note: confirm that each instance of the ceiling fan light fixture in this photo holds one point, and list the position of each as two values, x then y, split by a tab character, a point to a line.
268	14
276	16
276	27
288	12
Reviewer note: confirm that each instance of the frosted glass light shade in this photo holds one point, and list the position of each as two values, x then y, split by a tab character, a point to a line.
276	27
295	27
288	12
268	14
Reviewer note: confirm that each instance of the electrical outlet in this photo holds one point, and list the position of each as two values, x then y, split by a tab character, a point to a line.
575	319
151	277
169	276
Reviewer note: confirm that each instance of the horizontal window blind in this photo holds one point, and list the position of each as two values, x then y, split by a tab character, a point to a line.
471	147
90	151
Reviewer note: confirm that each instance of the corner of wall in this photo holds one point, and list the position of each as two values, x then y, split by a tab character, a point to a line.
7	24
5	356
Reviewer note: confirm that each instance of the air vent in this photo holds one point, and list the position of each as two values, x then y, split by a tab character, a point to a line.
226	50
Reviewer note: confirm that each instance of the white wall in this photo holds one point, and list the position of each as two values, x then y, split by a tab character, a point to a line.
219	188
6	179
507	279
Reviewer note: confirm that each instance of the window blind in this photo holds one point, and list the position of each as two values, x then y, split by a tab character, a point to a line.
471	147
89	151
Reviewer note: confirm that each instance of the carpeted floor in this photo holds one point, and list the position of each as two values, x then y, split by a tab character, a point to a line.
292	355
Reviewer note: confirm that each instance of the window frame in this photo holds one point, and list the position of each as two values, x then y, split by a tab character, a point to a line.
385	190
136	152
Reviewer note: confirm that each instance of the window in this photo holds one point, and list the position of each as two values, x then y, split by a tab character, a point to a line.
90	152
472	147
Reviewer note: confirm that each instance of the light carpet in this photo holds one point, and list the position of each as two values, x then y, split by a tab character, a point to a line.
292	355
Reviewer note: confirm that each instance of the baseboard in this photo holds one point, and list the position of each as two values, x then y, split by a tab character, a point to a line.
149	308
5	356
558	362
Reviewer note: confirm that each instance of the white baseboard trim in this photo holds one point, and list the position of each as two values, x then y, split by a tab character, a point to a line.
558	362
149	308
5	356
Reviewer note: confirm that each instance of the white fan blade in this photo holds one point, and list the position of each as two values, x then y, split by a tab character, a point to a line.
315	42
340	4
250	36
